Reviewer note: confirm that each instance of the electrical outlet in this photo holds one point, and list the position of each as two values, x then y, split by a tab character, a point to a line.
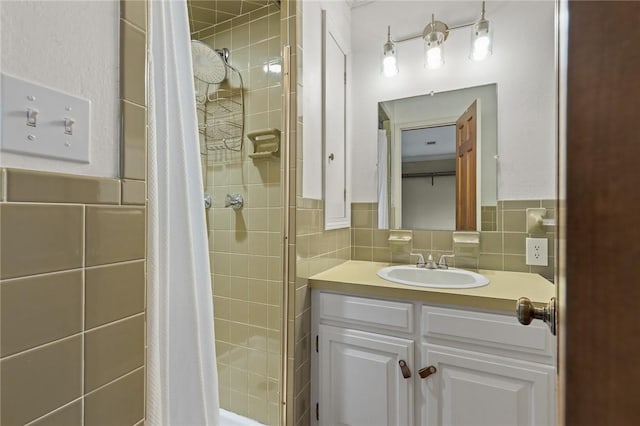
537	251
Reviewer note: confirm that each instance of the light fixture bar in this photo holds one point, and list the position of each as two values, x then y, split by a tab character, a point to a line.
454	27
417	36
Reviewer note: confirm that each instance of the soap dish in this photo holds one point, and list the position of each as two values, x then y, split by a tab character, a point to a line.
266	143
400	239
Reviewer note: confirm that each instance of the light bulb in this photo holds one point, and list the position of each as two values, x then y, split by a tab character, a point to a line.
435	58
481	39
481	47
389	58
389	66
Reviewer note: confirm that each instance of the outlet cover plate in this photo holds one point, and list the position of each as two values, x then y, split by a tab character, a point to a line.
537	252
48	137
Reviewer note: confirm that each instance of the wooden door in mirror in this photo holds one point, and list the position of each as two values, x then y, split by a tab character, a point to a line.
466	149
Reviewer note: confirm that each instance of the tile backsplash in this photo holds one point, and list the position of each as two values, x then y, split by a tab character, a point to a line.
501	249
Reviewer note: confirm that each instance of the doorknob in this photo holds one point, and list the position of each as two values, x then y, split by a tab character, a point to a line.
527	312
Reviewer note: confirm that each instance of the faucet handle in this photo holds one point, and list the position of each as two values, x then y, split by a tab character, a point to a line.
420	263
442	263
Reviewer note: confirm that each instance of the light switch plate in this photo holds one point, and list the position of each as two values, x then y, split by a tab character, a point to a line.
48	137
537	252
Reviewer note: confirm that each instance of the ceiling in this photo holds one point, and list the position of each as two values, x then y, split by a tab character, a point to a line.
429	143
206	13
358	3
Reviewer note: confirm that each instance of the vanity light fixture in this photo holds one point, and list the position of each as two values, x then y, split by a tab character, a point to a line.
389	57
481	39
435	33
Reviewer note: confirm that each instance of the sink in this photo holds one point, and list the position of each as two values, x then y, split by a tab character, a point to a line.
433	278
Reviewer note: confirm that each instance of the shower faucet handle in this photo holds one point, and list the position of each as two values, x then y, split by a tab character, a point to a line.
208	201
235	201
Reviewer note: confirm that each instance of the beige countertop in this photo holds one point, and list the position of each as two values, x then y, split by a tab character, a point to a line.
501	294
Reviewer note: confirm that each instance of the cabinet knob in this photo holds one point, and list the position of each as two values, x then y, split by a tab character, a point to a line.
406	372
427	371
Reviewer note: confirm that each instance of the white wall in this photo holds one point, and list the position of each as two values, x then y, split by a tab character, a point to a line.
522	66
311	87
70	46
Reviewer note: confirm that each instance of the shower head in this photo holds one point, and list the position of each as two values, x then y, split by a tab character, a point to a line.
208	65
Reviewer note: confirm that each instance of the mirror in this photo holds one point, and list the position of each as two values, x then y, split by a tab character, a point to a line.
428	186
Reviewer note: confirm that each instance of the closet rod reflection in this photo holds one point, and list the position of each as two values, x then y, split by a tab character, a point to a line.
428	174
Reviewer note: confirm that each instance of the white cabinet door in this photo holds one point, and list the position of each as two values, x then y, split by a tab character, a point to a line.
360	381
474	389
336	205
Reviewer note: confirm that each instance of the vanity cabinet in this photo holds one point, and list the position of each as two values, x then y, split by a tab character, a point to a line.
472	388
490	370
360	384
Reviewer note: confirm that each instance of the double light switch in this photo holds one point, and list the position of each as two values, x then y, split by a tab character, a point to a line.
40	121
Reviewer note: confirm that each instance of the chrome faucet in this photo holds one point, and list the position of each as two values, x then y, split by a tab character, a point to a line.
420	263
430	264
442	263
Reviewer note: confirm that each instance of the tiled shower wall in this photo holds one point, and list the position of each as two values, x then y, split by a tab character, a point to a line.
245	245
72	276
502	250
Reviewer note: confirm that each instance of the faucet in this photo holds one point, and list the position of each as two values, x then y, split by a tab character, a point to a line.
430	264
420	263
442	263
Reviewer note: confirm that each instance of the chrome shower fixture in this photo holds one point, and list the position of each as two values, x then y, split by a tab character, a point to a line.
224	52
235	201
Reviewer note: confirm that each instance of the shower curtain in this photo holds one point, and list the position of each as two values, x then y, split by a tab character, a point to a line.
383	201
182	383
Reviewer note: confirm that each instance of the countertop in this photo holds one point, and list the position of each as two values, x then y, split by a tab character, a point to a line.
502	292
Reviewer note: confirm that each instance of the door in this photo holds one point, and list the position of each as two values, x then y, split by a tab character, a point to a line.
600	347
466	154
475	389
360	380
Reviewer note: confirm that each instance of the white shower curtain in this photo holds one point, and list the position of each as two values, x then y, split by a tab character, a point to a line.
182	382
383	200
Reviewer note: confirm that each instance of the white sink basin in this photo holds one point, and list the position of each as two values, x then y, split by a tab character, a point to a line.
433	278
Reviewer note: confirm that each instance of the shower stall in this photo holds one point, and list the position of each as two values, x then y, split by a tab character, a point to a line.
237	55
